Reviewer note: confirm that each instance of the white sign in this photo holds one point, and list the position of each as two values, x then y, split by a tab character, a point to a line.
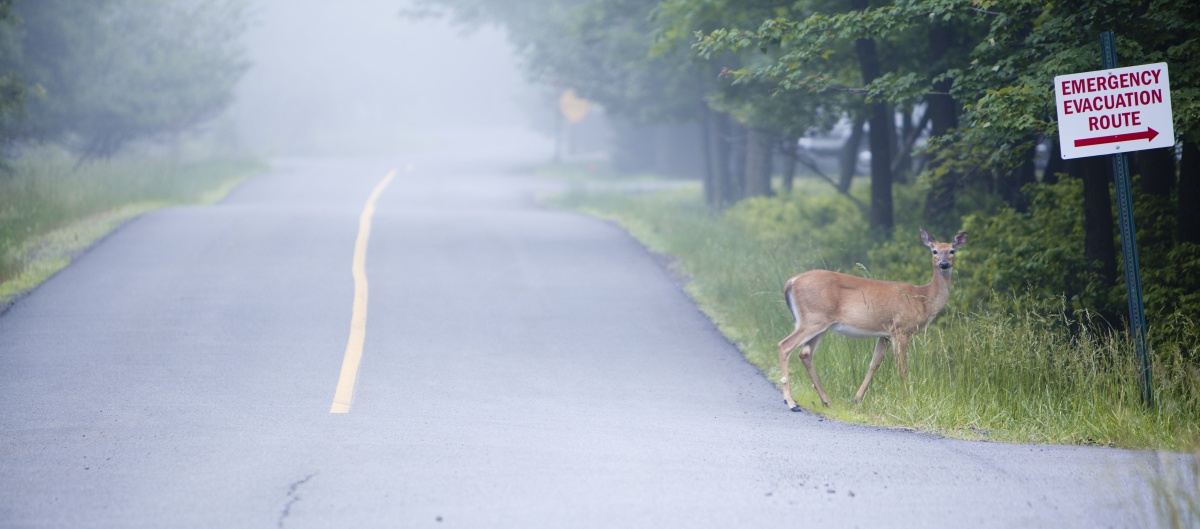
1112	111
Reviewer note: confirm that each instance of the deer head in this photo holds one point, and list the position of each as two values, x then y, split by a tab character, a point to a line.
943	253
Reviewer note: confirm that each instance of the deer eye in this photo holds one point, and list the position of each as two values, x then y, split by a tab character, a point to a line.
951	252
935	252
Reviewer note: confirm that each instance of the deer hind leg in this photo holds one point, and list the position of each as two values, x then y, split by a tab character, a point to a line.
876	359
802	335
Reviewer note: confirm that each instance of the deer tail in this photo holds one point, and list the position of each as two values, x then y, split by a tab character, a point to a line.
791	302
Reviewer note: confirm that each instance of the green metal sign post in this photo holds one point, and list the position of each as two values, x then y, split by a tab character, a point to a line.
1133	276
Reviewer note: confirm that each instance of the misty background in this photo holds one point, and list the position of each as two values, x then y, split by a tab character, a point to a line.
364	78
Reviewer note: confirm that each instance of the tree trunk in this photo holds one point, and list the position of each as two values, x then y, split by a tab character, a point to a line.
675	150
718	136
880	136
902	161
943	117
1099	247
758	163
633	146
1157	167
1054	164
849	158
788	149
706	143
737	155
882	216
1188	217
1010	187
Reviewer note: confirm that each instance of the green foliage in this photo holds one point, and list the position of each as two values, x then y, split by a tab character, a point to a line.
814	52
1005	85
753	102
13	88
825	228
604	51
1039	255
1171	292
600	48
113	71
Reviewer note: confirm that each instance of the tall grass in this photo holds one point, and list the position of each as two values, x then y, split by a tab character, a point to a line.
48	199
1030	375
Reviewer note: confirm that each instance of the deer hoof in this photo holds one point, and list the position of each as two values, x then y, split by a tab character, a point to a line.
797	408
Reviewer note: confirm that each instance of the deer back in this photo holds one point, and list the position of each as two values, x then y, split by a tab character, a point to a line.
858	306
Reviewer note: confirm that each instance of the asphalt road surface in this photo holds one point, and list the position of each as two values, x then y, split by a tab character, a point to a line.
522	367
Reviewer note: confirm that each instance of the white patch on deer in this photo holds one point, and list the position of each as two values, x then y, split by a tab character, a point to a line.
846	330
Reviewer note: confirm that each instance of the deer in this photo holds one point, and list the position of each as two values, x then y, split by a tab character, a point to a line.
892	312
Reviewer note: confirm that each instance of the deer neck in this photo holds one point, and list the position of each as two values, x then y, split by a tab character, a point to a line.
936	293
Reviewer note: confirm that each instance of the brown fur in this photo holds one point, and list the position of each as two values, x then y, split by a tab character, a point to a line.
822	300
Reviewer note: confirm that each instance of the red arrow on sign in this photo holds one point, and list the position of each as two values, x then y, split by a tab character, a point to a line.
1148	134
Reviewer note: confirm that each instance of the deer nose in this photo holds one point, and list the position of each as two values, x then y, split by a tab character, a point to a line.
944	265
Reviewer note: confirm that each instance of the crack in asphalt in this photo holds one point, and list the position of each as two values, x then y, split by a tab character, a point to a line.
292	498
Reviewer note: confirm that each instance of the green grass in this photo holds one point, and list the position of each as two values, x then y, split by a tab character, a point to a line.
51	209
1002	375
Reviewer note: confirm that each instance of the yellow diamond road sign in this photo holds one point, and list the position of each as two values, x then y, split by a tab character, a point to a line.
573	107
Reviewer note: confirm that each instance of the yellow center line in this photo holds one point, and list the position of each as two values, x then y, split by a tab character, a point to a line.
358	317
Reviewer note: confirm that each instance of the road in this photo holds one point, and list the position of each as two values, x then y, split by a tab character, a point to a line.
522	367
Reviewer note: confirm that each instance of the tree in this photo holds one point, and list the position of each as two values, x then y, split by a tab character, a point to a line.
775	118
12	86
115	71
1007	78
880	121
809	56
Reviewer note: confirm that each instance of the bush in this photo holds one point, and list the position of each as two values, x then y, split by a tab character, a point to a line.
1014	262
826	229
1038	254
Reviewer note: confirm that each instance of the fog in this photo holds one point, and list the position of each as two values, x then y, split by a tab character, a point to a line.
338	77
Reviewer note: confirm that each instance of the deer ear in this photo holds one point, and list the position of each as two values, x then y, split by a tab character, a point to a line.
960	239
926	239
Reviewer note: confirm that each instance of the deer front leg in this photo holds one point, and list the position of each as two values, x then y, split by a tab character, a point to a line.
900	349
802	335
876	359
785	355
806	356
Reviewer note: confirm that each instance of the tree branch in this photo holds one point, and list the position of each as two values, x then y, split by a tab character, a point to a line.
803	157
986	12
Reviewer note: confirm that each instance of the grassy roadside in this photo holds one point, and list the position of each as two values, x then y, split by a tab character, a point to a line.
976	375
50	210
